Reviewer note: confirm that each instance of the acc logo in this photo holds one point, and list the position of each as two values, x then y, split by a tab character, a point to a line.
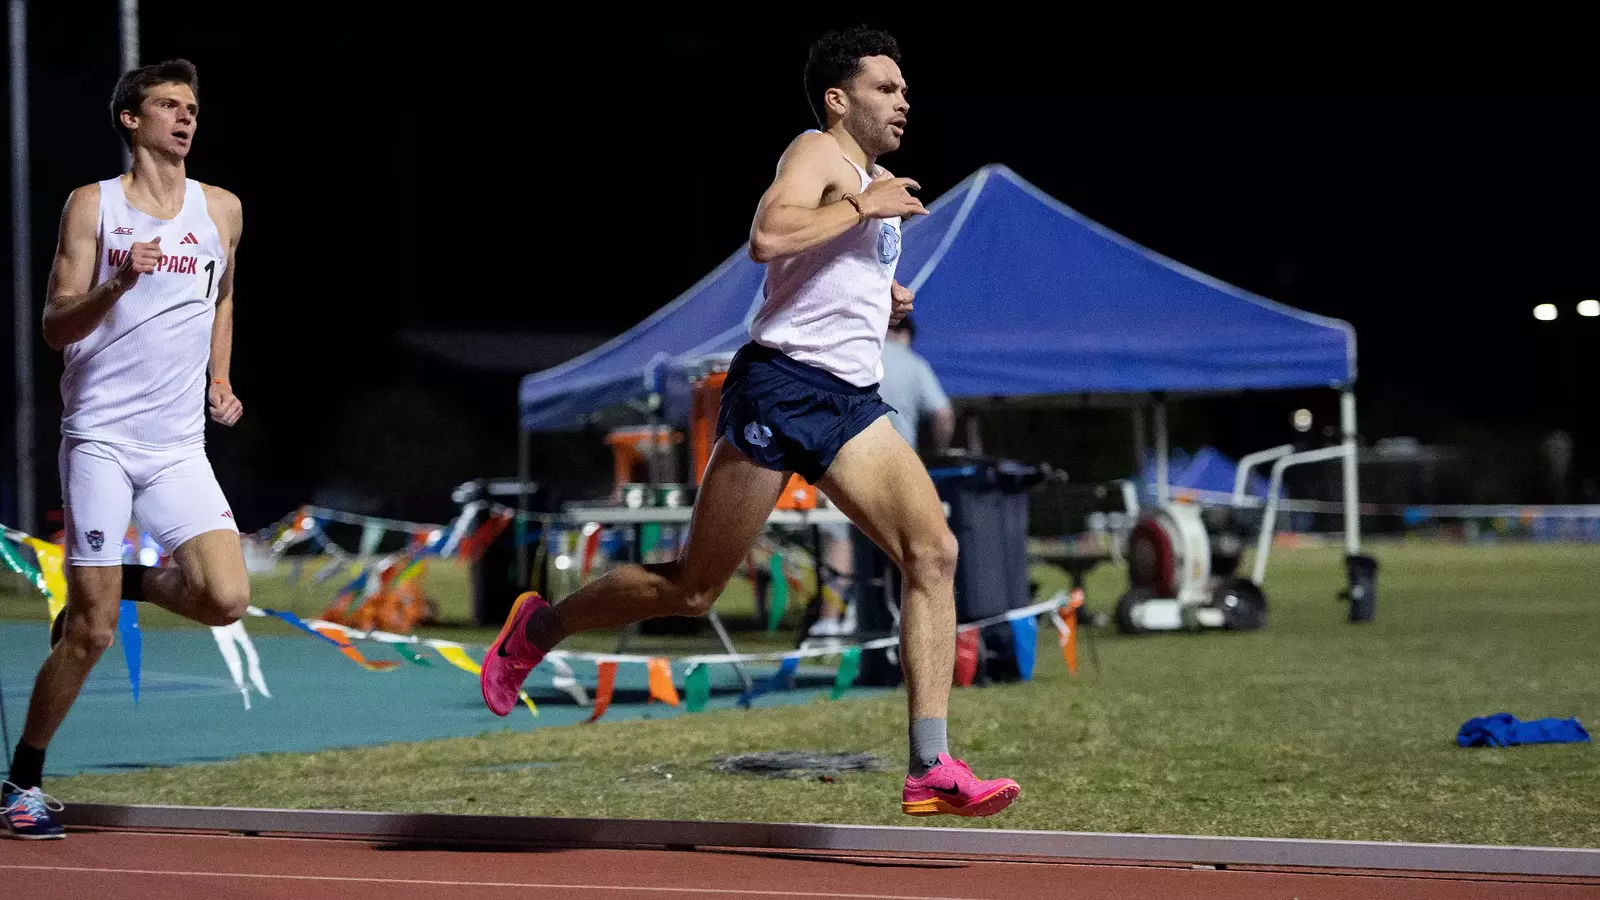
758	434
96	540
888	243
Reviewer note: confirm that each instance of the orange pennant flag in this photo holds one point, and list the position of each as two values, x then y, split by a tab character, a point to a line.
337	636
1067	630
602	690
661	682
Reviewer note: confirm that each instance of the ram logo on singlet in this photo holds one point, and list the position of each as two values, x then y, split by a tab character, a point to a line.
181	265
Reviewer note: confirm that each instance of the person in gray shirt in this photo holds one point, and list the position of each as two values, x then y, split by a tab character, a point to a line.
911	388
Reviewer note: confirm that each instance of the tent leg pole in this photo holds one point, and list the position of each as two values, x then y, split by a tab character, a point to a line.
521	531
1140	450
1352	512
1163	491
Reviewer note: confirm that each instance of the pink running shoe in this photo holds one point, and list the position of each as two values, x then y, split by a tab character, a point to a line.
511	657
950	788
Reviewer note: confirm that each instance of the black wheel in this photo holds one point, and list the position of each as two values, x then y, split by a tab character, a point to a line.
1125	605
1243	605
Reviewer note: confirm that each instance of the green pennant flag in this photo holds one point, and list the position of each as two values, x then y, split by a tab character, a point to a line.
849	668
20	566
777	593
406	651
697	687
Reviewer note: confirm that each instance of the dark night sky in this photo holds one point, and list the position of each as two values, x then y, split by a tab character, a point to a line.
483	174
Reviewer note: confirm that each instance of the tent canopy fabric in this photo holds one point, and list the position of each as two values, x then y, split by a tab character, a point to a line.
1017	294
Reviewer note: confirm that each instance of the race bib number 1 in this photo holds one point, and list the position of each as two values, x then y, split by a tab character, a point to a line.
206	276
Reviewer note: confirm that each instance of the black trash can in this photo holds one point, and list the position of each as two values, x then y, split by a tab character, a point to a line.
876	593
496	582
1363	590
989	516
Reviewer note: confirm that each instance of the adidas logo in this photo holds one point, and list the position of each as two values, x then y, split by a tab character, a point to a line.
189	239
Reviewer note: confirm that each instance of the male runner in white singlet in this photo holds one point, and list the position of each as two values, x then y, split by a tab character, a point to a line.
140	302
802	397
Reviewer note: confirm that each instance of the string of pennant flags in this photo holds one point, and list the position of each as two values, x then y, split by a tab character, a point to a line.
385	580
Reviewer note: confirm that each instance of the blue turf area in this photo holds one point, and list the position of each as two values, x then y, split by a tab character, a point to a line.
190	711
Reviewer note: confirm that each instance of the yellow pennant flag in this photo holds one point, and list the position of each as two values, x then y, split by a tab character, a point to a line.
459	658
55	581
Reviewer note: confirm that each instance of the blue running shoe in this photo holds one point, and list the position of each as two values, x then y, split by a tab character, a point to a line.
27	813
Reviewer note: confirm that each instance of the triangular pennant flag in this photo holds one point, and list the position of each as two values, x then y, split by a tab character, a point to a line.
603	689
1067	630
474	545
132	646
349	649
591	548
661	681
230	655
697	687
405	650
565	682
294	620
781	680
849	668
1024	641
17	564
649	537
777	592
966	657
20	565
459	658
371	537
252	660
1070	650
55	581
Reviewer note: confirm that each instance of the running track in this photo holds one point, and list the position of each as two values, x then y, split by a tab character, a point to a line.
143	865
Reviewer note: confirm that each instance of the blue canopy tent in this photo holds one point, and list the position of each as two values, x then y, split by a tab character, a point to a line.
1018	295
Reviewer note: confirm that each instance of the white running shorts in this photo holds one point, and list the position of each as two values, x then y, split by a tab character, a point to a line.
172	493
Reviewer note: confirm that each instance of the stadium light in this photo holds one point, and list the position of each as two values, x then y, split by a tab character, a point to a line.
1590	308
1545	312
1302	420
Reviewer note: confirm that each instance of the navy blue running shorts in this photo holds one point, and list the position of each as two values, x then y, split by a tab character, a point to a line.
791	417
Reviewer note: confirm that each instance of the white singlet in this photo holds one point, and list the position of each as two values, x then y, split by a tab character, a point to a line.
140	378
829	306
134	389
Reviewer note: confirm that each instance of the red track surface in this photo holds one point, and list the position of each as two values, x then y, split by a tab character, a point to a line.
100	865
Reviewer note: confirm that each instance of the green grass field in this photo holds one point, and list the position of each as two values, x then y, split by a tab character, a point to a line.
1312	728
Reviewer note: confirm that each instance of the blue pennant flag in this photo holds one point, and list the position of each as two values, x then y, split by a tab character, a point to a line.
781	680
1024	640
132	649
294	620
